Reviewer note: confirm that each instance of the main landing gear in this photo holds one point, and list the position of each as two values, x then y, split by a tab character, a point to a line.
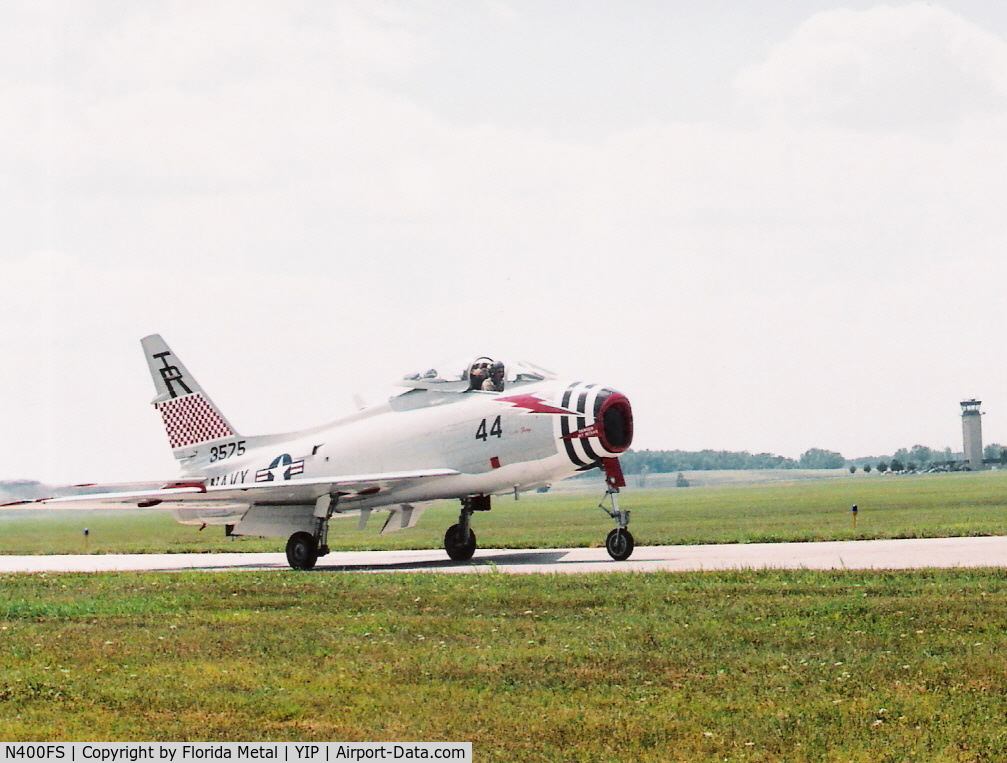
304	548
460	540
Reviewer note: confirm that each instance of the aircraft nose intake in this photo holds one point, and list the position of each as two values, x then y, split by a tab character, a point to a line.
614	417
602	426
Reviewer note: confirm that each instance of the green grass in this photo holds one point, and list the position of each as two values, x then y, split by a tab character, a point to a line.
743	666
897	507
736	666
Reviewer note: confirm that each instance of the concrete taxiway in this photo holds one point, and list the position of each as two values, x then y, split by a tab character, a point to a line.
876	554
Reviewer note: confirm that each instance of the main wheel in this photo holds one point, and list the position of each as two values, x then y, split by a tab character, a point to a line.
459	550
302	551
619	544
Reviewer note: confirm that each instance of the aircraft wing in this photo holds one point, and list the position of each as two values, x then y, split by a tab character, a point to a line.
197	494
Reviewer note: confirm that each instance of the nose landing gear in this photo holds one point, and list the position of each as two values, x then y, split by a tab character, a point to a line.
619	542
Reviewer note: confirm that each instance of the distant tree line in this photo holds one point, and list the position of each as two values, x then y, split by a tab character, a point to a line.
921	457
670	461
995	452
904	459
816	458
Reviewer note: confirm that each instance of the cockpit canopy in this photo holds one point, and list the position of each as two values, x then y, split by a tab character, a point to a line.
482	373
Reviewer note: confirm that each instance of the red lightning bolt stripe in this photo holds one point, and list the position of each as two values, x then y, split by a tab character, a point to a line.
535	404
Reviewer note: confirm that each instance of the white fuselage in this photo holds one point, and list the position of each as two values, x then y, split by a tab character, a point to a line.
495	443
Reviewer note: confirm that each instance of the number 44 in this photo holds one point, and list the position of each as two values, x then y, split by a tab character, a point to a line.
495	430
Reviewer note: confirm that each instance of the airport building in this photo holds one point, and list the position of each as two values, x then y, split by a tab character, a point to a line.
972	433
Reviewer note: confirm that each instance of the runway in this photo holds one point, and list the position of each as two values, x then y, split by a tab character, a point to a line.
859	555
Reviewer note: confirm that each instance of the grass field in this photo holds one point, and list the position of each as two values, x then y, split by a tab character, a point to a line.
738	666
889	507
768	666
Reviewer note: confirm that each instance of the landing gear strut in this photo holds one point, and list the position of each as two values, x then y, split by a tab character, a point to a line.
460	540
619	542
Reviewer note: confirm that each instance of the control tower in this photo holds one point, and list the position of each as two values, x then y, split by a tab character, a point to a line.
972	433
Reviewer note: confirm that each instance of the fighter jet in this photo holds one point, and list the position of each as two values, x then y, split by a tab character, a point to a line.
487	428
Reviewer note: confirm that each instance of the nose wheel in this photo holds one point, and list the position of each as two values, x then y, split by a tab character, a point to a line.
619	544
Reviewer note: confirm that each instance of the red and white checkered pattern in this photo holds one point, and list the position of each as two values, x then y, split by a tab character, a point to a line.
190	420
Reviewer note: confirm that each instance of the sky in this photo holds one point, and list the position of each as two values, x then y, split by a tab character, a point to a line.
774	227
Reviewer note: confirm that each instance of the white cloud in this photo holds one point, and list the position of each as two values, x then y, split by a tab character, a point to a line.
191	97
909	67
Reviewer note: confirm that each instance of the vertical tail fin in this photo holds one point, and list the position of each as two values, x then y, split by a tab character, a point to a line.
190	417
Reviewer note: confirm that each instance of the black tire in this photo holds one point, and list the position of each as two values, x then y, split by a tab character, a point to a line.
619	544
302	551
459	550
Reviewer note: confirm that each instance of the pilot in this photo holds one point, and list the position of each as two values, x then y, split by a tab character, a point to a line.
478	376
495	382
